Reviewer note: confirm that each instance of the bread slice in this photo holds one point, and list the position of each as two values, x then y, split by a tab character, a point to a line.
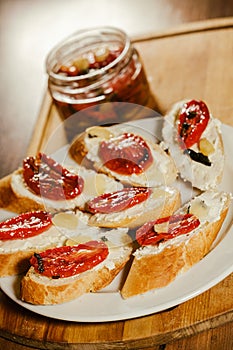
38	289
10	201
26	200
85	150
201	176
155	266
163	201
15	254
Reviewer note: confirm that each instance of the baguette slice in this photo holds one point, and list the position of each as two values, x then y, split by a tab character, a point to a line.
201	176
163	201
155	266
38	289
94	184
12	202
85	150
15	254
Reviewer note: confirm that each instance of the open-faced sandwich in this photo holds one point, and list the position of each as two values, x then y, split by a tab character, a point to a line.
44	184
126	154
132	206
21	236
193	139
171	245
85	264
76	224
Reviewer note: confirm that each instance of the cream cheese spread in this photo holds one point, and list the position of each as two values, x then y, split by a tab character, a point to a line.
94	185
201	176
213	202
157	199
158	173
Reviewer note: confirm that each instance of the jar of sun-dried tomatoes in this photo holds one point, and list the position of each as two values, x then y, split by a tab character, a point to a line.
92	67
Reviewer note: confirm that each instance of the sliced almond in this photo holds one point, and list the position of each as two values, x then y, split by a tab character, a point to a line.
67	220
78	240
110	244
163	227
100	184
206	147
199	208
159	193
70	242
95	185
99	131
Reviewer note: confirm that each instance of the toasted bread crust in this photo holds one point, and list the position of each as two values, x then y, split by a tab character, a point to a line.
77	148
14	263
17	262
9	200
37	291
158	270
6	194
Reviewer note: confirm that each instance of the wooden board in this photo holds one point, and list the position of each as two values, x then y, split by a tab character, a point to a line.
194	61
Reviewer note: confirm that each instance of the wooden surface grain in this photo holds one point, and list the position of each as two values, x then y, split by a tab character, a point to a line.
203	313
187	62
217	339
29	29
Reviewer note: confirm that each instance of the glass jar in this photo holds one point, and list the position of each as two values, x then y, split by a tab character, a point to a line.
92	67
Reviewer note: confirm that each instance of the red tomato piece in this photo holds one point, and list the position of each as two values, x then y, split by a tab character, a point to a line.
25	225
68	261
119	200
193	120
45	177
177	225
126	154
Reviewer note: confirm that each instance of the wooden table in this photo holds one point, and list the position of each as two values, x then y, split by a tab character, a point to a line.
193	61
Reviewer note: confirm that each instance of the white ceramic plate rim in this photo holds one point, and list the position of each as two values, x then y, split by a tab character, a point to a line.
108	305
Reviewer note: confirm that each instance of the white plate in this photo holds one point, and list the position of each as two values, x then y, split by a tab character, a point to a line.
107	305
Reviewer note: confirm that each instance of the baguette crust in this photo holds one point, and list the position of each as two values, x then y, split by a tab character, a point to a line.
78	151
15	254
14	263
163	204
10	201
38	289
17	262
39	292
156	270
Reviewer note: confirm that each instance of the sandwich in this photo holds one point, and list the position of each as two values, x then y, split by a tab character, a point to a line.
171	245
86	264
132	206
125	153
193	138
21	236
44	184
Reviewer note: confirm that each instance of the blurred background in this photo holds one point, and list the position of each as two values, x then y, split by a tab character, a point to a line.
29	29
